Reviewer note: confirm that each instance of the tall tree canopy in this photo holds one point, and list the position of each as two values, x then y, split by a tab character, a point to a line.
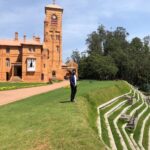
112	56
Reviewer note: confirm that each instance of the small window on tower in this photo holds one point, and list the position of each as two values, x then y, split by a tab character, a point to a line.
48	54
52	37
57	37
58	48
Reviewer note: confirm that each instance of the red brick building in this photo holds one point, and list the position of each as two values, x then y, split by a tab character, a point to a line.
31	60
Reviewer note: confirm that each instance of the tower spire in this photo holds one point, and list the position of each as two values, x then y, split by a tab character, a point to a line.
54	2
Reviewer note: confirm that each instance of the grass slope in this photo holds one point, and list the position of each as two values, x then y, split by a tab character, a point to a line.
50	122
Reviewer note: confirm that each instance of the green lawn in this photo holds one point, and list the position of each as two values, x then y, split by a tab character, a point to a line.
50	122
18	85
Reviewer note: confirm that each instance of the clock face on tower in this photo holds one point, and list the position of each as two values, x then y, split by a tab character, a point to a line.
54	19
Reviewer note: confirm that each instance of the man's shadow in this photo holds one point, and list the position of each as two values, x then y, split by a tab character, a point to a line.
65	102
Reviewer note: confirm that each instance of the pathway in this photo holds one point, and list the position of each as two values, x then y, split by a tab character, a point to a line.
7	97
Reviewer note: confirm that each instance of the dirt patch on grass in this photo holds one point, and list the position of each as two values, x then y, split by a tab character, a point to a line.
41	145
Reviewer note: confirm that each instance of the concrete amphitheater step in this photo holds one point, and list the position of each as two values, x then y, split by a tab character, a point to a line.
141	113
144	110
142	132
133	145
130	139
112	142
104	106
118	131
149	140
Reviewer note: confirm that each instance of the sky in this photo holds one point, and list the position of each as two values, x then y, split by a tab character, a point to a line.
80	18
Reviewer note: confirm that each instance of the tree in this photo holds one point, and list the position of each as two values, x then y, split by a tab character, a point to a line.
76	56
96	40
111	56
97	67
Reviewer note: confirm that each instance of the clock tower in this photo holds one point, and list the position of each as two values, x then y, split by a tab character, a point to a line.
52	48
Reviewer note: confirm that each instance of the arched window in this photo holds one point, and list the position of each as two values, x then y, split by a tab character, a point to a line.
58	48
53	74
7	62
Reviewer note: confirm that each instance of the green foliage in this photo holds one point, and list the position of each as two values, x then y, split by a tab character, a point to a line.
111	56
146	88
99	67
76	56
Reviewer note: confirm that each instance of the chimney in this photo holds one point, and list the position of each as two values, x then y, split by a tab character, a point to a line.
24	38
16	36
33	38
37	39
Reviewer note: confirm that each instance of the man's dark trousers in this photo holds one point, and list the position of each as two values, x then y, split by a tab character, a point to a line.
73	92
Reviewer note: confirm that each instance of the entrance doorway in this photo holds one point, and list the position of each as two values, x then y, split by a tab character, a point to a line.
18	71
42	76
7	76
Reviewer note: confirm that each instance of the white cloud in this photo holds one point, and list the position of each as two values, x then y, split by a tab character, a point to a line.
80	18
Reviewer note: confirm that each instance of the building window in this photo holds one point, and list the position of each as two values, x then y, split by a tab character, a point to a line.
44	65
7	50
20	50
48	54
32	49
7	62
31	65
57	37
42	76
58	48
52	37
53	74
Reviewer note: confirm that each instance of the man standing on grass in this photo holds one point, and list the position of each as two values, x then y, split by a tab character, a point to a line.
73	85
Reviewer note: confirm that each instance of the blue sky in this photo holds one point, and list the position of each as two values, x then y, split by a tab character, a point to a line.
80	18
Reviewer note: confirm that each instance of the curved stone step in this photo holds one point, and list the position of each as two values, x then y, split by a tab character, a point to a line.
149	139
142	132
134	143
117	129
104	106
141	113
112	142
130	139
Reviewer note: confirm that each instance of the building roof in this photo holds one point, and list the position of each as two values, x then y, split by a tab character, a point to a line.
54	6
19	42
